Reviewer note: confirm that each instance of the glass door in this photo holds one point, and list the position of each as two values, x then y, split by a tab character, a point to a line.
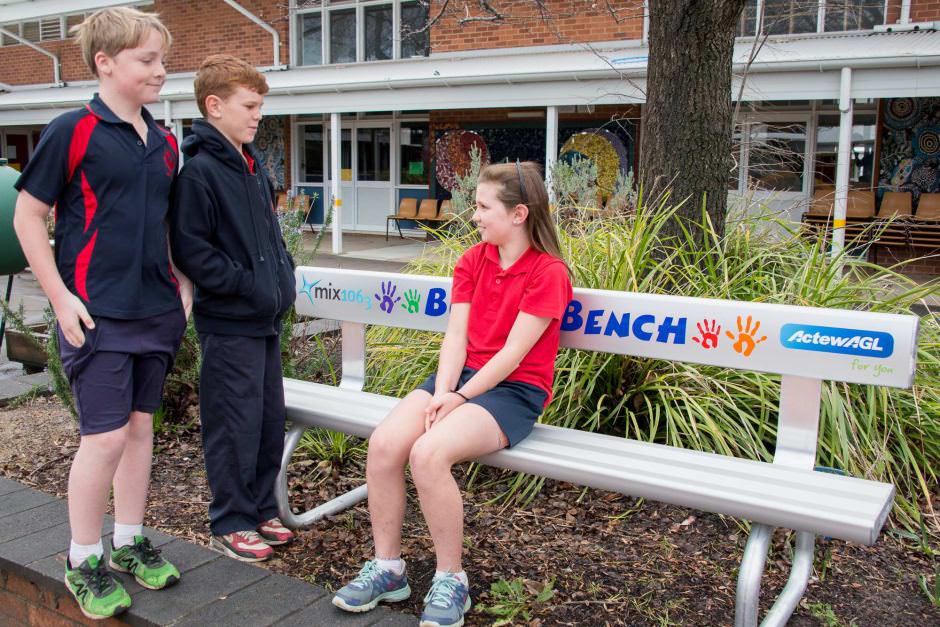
374	185
346	182
775	163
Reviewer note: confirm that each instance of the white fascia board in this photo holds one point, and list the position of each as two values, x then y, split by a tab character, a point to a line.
37	9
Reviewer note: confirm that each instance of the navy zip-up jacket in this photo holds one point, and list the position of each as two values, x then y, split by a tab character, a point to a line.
225	237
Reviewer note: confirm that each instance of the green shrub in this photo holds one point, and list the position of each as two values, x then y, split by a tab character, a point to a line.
891	435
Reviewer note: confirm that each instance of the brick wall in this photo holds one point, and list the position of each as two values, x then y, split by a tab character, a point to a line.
521	25
23	602
922	267
198	28
925	10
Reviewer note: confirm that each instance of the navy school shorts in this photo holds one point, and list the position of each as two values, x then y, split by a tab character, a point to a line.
515	405
120	368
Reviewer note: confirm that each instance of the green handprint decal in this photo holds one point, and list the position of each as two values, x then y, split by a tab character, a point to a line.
412	301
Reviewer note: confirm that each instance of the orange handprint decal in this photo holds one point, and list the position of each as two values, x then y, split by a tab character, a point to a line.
709	334
746	337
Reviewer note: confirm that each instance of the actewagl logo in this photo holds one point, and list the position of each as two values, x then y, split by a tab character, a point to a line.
809	337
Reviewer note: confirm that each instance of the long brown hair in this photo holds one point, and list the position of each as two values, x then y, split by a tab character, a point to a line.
539	225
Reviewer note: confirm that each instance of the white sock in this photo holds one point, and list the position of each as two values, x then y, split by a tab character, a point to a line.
124	534
396	565
78	553
462	576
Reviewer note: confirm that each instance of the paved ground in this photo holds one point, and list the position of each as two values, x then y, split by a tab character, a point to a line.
214	590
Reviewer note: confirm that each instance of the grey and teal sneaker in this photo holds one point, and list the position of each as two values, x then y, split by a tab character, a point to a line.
143	561
98	593
371	586
446	602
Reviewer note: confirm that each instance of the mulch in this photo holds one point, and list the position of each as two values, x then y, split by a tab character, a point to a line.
610	559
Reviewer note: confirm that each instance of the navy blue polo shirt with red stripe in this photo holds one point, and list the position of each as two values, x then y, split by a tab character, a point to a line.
111	193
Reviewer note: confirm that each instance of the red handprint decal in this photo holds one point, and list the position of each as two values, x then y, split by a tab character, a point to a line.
709	333
746	337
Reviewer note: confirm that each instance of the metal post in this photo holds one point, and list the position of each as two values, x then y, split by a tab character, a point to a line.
6	300
551	148
842	165
335	193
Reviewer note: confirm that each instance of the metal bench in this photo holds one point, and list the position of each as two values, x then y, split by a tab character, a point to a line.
805	345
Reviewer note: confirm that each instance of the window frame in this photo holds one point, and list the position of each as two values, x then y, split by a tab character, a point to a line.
821	8
324	8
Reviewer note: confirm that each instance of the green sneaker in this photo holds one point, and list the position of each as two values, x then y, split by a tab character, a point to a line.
144	562
99	594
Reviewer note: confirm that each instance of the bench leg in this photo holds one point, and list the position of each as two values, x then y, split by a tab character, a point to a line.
752	570
334	506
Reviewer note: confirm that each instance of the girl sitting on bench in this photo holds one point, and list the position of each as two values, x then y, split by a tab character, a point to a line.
494	379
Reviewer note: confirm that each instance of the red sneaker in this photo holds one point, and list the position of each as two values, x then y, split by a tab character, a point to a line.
246	546
274	532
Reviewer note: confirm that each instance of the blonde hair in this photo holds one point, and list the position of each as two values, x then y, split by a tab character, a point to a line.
510	178
221	74
112	30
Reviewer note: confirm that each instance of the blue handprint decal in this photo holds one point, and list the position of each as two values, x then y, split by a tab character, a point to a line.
386	302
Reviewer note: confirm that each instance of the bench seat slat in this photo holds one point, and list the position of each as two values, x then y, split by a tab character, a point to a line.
842	507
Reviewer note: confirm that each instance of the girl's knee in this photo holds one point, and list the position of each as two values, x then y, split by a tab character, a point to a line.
140	426
427	461
386	451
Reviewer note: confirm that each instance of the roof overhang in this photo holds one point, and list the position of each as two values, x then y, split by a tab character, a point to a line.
25	10
805	68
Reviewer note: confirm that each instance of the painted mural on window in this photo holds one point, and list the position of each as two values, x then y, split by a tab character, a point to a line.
910	146
270	141
452	155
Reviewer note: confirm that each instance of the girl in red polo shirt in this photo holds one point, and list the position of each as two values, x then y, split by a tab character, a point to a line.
493	380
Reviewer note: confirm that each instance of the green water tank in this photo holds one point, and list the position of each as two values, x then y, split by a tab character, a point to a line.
11	255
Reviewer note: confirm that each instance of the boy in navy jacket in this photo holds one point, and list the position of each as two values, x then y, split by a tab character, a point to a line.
224	235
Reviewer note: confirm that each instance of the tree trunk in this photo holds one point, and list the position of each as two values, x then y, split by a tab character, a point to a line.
686	138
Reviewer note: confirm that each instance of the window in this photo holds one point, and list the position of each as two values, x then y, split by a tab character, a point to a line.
784	17
861	163
310	33
343	36
414	158
789	17
415	35
347	31
854	14
776	156
311	163
50	28
30	31
372	154
378	32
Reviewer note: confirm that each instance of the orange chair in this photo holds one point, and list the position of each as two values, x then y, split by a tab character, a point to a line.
407	210
861	204
823	202
447	211
428	209
928	208
895	205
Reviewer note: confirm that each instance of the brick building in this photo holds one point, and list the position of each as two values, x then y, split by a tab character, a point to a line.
391	78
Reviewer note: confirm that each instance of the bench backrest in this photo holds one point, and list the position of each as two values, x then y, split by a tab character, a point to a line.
826	344
804	344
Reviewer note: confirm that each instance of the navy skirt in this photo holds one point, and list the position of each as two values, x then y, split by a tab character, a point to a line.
515	405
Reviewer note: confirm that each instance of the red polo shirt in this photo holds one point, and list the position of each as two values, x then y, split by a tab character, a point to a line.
537	283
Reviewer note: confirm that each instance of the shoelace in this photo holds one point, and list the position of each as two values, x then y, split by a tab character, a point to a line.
251	535
148	554
367	573
442	591
97	578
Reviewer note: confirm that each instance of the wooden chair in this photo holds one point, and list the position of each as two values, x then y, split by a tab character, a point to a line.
928	208
861	204
823	202
427	210
446	212
407	210
895	205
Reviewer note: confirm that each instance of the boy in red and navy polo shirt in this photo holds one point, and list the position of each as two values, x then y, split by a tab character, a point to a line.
108	168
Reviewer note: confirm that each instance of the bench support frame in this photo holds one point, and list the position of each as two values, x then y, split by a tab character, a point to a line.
797	431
